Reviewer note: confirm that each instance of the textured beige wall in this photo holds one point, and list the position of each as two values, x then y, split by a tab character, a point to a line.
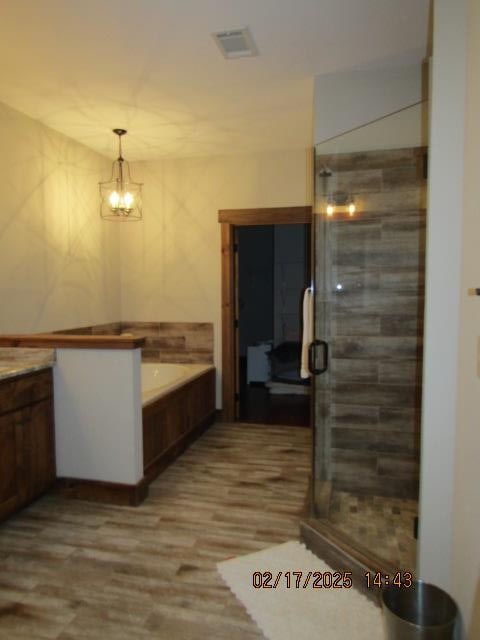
466	531
171	262
58	260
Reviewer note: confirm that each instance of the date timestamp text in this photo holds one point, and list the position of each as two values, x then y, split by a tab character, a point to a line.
302	579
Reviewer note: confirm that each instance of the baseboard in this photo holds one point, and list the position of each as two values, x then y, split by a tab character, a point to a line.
165	459
337	550
106	492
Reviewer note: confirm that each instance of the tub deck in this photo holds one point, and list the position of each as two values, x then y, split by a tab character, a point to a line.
186	373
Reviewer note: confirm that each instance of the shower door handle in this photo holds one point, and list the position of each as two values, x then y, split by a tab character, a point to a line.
311	357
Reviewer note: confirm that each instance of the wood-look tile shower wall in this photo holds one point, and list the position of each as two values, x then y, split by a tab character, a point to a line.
375	321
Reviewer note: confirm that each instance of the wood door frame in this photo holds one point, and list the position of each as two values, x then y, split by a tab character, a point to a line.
229	219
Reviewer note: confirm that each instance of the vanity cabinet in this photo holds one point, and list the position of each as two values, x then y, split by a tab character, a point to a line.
27	439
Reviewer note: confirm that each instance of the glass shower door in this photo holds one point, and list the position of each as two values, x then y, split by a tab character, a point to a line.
369	244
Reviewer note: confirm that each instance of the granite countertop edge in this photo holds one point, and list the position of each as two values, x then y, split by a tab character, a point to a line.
17	361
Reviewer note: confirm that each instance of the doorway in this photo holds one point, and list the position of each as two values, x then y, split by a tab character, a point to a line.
265	269
273	272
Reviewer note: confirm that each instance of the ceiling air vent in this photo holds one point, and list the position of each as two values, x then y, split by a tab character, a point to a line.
236	43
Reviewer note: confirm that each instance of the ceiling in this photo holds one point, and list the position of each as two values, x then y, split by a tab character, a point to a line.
85	66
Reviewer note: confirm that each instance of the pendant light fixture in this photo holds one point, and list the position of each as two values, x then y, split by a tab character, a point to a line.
120	197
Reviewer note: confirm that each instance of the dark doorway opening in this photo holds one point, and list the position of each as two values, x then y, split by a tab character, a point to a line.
273	270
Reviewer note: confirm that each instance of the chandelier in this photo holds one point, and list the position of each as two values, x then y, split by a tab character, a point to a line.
120	197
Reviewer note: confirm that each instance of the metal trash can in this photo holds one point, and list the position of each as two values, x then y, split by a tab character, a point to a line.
420	612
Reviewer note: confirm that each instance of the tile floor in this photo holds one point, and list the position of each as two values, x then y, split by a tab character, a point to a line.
381	524
78	570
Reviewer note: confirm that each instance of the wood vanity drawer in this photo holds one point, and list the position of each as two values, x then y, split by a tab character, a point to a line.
25	390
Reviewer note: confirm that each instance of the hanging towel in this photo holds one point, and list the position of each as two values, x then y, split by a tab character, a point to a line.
307	336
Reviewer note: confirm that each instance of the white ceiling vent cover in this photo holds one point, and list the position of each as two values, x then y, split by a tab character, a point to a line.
237	43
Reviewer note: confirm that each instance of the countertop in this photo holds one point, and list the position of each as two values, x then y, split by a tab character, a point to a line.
18	361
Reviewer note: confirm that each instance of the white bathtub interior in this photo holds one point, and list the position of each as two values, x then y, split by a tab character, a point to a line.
159	378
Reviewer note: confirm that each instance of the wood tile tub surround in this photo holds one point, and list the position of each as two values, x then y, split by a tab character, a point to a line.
27	439
183	342
175	342
172	422
376	330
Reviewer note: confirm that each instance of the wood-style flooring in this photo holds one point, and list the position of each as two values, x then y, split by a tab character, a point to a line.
78	570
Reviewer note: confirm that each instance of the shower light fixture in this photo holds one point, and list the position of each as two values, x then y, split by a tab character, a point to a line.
120	197
342	201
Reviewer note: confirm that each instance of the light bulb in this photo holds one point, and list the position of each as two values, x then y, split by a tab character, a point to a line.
128	200
330	209
351	208
114	200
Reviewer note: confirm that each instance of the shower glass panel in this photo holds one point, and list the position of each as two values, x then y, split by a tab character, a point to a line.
369	245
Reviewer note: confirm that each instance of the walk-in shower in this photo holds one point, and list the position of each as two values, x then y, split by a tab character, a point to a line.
369	245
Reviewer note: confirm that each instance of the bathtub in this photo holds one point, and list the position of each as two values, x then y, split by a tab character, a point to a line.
178	405
159	379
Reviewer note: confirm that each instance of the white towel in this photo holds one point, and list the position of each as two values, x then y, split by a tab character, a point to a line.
307	336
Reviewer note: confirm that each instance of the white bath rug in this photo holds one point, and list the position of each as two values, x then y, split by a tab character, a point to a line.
295	607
